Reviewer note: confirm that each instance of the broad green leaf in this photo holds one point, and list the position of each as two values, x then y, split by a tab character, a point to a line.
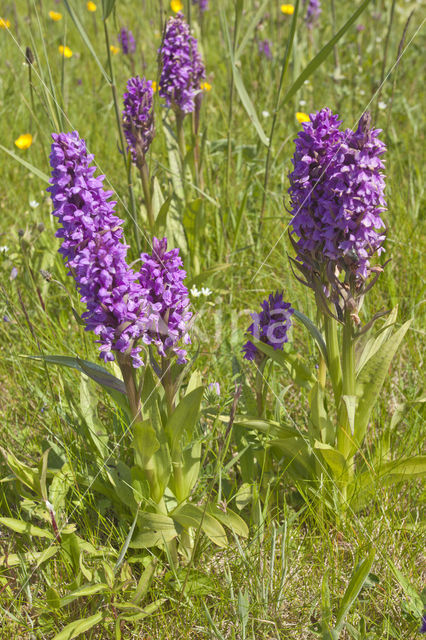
268	427
97	432
243	496
159	467
190	469
76	628
107	7
314	331
230	519
299	454
322	55
174	159
145	581
52	598
121	480
25	527
335	460
145	442
161	219
37	557
323	427
359	576
371	377
148	539
393	471
85	38
62	481
375	342
350	404
24	473
84	590
415	600
190	222
184	417
26	164
146	611
326	613
189	515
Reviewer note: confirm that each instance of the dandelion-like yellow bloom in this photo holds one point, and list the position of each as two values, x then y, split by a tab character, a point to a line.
114	50
205	86
302	117
65	51
24	141
4	23
91	6
287	9
154	86
176	6
55	16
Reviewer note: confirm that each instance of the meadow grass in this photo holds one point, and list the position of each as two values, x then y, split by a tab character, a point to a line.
269	585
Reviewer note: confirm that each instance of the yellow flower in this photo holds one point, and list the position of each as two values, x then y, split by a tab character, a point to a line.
287	9
154	86
91	6
4	23
302	117
176	6
205	86
65	51
55	16
114	49
24	141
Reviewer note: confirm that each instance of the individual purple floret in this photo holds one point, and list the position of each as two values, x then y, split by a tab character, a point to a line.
138	118
265	48
162	275
270	326
127	41
423	627
337	195
203	4
182	68
92	247
313	12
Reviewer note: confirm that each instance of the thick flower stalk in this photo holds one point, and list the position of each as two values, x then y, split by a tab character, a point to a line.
138	118
127	41
270	326
182	69
117	305
162	276
337	198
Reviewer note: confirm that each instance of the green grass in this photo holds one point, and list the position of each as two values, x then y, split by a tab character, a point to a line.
280	567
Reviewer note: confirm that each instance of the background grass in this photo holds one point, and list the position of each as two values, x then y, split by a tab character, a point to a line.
280	568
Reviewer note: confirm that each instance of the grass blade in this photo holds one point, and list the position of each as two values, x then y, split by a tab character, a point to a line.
325	51
27	165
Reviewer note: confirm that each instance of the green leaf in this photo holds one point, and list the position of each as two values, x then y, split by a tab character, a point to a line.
393	471
189	515
374	343
323	426
83	591
145	581
414	599
24	473
145	442
184	417
359	576
371	377
76	628
230	519
25	527
155	529
314	331
248	105
326	613
161	219
190	218
52	598
335	460
205	275
37	557
174	159
85	38
26	164
322	55
107	7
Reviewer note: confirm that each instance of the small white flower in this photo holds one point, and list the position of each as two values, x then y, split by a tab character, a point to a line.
4	249
382	105
302	103
195	292
265	114
361	92
34	204
206	291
